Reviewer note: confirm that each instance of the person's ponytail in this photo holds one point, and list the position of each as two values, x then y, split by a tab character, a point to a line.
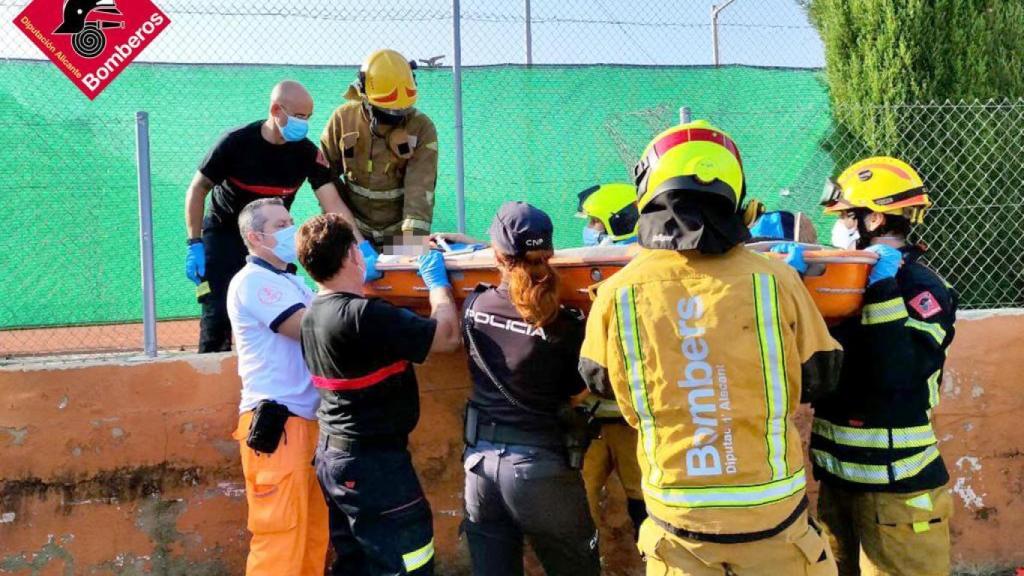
533	286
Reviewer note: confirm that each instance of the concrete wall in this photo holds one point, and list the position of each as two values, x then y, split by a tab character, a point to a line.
128	467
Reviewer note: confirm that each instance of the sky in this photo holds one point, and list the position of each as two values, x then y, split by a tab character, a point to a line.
772	33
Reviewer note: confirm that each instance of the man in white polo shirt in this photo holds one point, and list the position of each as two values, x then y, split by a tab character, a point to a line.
277	427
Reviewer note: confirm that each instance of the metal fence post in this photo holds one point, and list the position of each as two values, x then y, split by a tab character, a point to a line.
529	35
715	10
146	233
460	176
684	114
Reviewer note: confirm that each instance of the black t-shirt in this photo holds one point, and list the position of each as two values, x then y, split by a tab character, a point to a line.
244	167
537	366
360	352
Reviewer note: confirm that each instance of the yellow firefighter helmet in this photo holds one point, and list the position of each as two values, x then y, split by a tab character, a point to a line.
387	82
614	205
880	184
697	157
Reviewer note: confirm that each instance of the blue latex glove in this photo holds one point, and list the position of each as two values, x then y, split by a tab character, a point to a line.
889	261
432	270
195	263
794	255
769	225
457	246
370	256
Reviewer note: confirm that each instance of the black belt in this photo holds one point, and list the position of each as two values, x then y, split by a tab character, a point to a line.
501	434
733	538
370	444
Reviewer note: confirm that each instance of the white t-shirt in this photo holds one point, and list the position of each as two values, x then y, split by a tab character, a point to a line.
271	365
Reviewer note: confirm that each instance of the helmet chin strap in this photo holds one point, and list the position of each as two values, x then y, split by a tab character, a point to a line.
865	236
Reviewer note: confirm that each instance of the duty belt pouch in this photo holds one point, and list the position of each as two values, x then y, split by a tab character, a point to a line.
471	421
267	426
576	430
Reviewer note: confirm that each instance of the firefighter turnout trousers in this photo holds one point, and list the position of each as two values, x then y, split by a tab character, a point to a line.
380	519
614	452
887	534
799	550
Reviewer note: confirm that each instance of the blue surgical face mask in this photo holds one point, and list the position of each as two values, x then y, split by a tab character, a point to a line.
285	247
591	236
294	129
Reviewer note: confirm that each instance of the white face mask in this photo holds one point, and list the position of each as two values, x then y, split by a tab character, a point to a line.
844	238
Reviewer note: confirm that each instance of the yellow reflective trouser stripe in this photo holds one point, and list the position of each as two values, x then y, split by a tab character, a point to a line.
937	332
933	388
882	312
773	365
921	502
392	194
729	496
418	558
909	437
876	473
629	338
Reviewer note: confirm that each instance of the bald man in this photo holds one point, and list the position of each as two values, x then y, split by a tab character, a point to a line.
267	158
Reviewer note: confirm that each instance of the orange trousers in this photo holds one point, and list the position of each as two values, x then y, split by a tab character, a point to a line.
287	511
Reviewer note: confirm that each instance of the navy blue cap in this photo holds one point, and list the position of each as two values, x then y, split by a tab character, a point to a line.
519	227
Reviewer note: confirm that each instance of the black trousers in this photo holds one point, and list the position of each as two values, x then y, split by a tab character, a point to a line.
514	492
225	256
380	520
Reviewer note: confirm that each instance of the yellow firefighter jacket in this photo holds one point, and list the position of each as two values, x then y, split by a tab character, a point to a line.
708	357
389	178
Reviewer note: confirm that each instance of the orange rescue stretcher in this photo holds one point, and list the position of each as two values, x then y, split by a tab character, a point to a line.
835	278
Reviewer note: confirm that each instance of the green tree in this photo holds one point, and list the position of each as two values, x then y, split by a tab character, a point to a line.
940	83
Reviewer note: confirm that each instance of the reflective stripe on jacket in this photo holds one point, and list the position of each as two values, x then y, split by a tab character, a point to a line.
875	432
709	357
383	190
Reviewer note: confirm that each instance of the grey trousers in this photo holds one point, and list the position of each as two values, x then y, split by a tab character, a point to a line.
515	491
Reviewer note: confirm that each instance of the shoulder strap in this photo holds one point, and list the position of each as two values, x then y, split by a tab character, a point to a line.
478	359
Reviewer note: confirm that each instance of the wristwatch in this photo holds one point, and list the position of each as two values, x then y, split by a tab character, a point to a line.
192	241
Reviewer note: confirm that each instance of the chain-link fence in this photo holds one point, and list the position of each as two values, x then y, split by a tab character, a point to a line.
969	154
557	96
49	241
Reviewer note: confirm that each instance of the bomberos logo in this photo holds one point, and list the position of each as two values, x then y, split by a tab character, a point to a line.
92	41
